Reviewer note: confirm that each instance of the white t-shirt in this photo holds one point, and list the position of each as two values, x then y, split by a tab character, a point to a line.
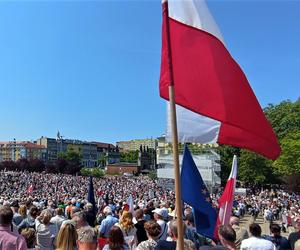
58	220
45	235
254	243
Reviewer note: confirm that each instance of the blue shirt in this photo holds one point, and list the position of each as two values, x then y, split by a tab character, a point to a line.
106	225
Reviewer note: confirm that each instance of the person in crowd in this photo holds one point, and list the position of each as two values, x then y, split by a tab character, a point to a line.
227	237
119	212
58	218
79	219
159	215
256	242
17	218
297	245
90	214
28	203
69	208
153	230
46	231
116	240
107	223
241	232
9	239
190	229
112	205
187	211
76	209
51	207
293	237
149	215
29	221
67	236
139	225
87	239
30	238
127	226
280	242
173	233
23	211
191	232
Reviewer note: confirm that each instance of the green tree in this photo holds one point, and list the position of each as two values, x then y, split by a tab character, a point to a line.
102	160
152	175
289	161
95	172
131	156
254	169
68	162
285	120
71	155
226	157
284	117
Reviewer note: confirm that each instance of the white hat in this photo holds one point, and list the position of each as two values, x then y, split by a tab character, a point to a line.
107	210
163	212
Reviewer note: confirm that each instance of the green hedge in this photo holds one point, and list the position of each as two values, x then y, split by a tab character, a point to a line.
95	172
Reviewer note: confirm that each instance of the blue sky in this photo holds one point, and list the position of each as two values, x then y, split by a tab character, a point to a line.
90	68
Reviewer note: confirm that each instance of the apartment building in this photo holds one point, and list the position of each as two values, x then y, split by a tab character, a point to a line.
133	145
16	150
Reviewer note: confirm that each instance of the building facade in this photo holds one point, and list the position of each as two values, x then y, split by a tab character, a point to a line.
107	154
87	151
53	147
16	150
92	153
133	145
147	159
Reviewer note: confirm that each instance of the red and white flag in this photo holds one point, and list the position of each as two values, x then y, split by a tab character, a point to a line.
100	192
30	189
129	205
227	198
215	103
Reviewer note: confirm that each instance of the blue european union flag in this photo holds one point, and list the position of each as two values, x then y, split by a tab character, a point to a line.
195	193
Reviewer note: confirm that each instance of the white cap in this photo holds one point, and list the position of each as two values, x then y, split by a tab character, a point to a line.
163	212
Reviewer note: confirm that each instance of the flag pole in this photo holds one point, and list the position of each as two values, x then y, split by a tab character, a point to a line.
176	169
224	214
178	201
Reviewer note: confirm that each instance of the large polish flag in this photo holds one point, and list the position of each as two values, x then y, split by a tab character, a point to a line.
215	103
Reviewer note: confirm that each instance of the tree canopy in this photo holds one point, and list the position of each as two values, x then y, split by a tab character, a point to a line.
289	160
131	156
284	117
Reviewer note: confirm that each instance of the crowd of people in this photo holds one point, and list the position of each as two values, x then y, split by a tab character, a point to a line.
49	211
44	188
272	206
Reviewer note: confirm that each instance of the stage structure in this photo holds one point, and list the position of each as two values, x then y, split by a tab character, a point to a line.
207	163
